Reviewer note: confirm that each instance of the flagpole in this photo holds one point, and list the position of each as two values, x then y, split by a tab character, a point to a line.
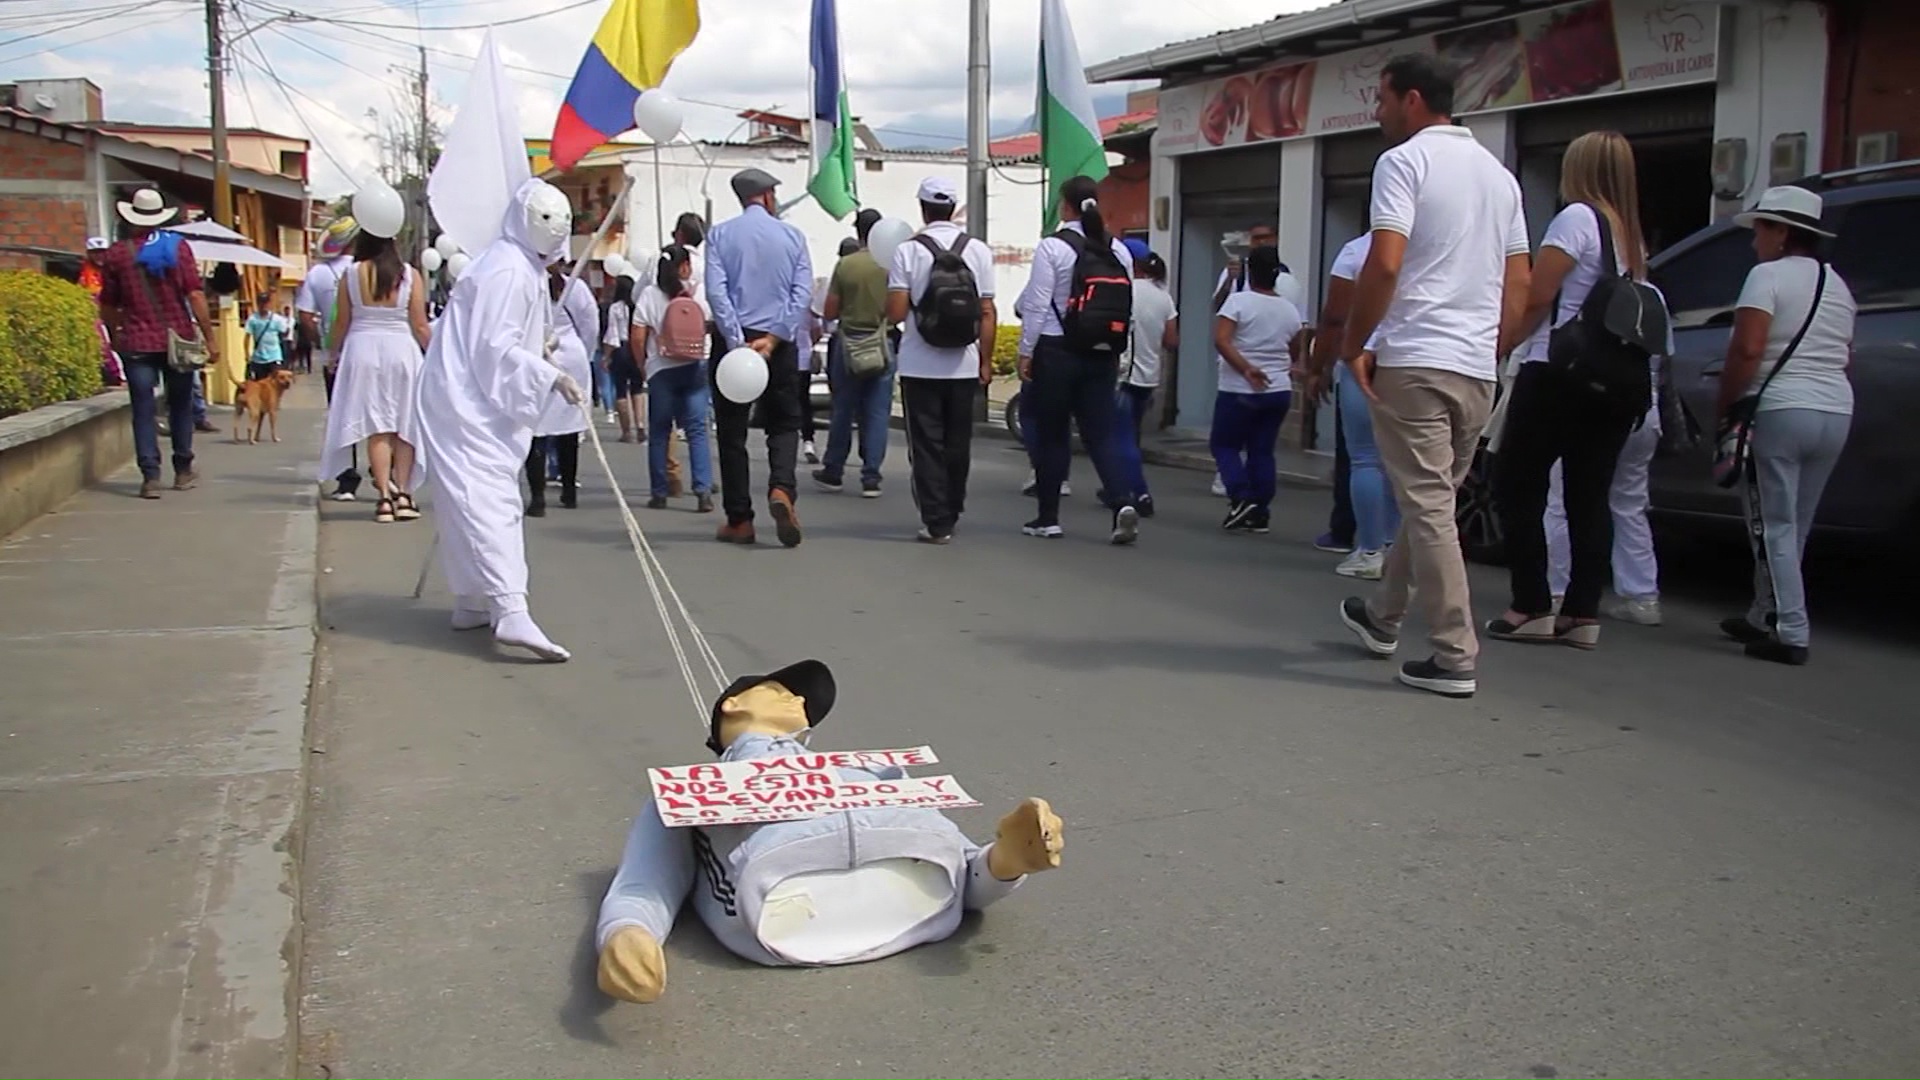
979	72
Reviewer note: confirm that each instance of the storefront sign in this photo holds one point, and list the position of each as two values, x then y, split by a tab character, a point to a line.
797	787
1582	50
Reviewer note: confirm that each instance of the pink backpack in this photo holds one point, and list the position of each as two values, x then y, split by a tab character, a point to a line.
683	330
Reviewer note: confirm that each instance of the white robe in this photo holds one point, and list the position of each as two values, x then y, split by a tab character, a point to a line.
483	387
576	323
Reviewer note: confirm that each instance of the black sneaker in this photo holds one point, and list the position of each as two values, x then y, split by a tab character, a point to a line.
826	481
537	508
1037	528
1353	613
869	489
1774	650
1260	521
1742	631
1126	526
1431	677
1144	504
1239	517
658	502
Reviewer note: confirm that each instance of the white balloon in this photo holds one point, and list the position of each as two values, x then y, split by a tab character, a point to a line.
658	114
458	265
742	376
446	247
379	209
615	264
885	239
430	261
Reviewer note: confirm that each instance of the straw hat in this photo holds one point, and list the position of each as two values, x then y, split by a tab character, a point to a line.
147	209
1793	206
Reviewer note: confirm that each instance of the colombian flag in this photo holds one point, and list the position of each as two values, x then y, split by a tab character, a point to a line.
636	43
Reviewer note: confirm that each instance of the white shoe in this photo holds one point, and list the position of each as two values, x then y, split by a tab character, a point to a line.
1043	532
1219	486
612	417
1368	565
519	631
1640	611
341	496
1066	488
812	455
1032	484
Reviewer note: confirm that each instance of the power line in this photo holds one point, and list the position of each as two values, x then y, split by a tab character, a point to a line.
115	32
92	15
286	93
304	17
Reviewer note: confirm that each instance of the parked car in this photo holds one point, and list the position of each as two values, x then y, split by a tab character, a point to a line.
1875	490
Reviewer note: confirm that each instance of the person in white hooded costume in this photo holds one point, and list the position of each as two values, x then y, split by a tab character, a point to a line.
486	384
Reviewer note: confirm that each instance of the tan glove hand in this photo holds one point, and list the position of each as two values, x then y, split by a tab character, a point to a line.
569	389
632	967
1029	840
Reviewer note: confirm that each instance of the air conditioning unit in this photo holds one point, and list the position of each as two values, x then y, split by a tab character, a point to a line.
1876	148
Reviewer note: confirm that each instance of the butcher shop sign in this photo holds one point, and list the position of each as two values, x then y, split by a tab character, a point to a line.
1582	50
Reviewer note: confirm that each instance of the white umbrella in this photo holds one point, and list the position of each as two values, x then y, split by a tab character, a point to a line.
212	242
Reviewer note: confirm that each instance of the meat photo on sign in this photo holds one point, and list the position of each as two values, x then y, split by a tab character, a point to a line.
1492	61
1280	100
1224	121
1572	52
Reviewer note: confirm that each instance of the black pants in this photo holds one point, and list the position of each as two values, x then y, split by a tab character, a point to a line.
939	446
1340	524
567	448
779	410
1069	388
1550	421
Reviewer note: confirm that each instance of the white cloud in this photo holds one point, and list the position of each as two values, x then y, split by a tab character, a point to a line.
902	69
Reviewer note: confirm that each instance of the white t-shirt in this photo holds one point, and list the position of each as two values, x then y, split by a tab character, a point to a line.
1287	288
1153	309
650	310
1816	374
620	322
1461	213
319	289
912	267
649	267
1263	328
1576	231
1348	263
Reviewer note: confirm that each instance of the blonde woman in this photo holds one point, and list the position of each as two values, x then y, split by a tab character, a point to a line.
1554	420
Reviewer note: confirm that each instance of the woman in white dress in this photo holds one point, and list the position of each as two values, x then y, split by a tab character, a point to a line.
575	323
379	331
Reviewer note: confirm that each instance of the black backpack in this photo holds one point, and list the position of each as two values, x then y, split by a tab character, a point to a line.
948	313
1098	316
1607	348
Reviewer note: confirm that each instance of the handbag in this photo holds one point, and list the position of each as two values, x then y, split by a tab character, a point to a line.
186	355
1733	446
1680	430
868	355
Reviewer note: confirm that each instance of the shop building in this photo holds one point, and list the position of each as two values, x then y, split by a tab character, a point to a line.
1273	124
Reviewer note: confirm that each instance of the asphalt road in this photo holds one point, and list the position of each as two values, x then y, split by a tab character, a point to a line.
1658	859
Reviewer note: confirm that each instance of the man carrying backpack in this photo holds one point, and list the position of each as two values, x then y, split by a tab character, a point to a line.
1076	320
941	288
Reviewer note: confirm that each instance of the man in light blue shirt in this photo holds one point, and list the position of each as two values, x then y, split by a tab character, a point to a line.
760	289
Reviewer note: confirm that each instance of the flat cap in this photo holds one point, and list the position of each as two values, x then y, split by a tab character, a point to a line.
750	182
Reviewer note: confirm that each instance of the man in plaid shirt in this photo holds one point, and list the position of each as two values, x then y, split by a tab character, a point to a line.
149	286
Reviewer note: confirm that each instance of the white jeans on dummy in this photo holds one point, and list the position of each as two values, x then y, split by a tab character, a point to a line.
1636	571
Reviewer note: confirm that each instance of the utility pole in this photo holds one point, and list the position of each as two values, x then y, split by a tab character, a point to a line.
216	82
979	51
426	162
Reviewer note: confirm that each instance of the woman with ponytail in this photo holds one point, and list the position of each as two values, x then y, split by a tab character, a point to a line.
1076	317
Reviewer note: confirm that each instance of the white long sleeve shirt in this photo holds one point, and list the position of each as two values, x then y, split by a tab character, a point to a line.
1050	285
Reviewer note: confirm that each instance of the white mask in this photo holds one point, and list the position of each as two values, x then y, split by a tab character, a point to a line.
549	220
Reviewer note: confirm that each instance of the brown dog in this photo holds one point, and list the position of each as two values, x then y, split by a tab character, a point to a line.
260	400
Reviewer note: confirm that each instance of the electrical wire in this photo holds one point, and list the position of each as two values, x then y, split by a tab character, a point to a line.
306	17
115	32
92	15
286	93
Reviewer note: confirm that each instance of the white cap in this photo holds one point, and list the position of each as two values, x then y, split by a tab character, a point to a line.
97	243
940	191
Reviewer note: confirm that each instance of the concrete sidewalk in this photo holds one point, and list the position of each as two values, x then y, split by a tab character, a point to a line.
156	659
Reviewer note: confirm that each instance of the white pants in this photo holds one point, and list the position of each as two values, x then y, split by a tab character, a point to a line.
1636	571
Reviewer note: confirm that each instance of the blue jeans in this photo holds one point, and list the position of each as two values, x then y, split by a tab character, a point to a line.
678	395
1130	407
1246	428
867	401
145	373
603	382
1376	516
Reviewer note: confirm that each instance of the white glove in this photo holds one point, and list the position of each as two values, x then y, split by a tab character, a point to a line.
568	389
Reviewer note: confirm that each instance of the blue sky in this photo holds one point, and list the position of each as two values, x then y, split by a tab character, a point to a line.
906	76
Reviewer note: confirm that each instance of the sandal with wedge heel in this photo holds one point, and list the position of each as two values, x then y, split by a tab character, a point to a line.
383	512
404	508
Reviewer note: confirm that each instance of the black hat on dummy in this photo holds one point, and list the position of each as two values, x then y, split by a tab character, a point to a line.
809	679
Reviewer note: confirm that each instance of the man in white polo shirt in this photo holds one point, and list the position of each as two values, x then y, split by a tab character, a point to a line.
1447	268
941	290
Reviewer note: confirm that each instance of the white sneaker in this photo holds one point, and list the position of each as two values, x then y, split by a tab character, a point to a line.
1369	565
1219	486
1638	610
812	455
342	496
1033	484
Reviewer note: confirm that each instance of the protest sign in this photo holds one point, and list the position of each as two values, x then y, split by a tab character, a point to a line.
797	787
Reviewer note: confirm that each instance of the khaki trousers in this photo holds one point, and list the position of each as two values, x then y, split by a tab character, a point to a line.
1428	424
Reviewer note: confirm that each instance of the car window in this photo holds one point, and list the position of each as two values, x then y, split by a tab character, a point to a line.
1876	253
1704	281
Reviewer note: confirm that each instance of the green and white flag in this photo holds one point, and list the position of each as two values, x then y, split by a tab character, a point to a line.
1069	130
832	183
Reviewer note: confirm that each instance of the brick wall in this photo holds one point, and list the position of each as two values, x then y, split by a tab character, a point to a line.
30	157
1871	80
41	221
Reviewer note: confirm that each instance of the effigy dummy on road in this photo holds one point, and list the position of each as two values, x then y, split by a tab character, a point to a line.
887	872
